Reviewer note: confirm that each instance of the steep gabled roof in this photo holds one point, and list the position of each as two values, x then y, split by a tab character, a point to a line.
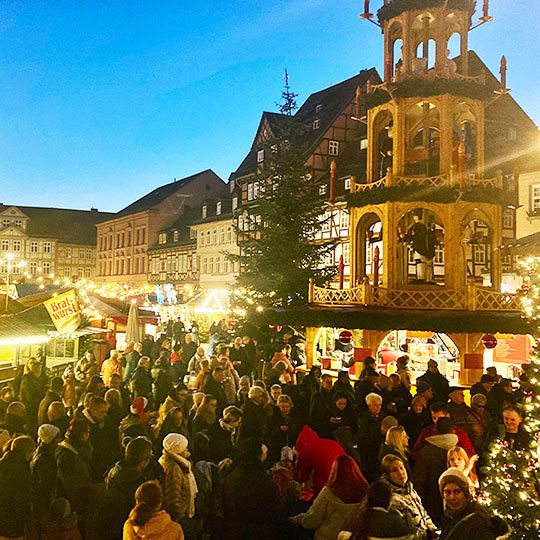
66	225
163	192
332	101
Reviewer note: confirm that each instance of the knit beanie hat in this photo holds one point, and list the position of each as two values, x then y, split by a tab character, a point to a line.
47	433
454	475
174	443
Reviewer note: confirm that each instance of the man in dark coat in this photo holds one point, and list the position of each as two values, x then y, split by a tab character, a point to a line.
321	406
370	437
132	360
436	380
253	508
55	393
33	388
214	386
251	354
460	413
429	466
15	421
121	482
484	386
238	357
141	379
254	417
16	488
104	443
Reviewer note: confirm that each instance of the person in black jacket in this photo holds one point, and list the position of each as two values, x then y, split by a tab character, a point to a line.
15	421
43	468
54	393
163	379
121	483
341	415
141	379
253	507
33	388
438	382
321	406
282	429
205	416
370	437
214	386
16	488
222	435
254	417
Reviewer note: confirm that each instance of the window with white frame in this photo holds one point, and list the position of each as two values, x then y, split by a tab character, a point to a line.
347	183
316	123
363	144
18	223
229	233
329	259
211	265
46	267
214	236
6	222
260	156
204	211
33	267
218	265
176	236
234	203
327	222
46	247
250	195
344	220
5	245
222	235
192	234
68	253
17	245
535	198
479	254
218	208
34	246
208	238
256	190
162	238
508	219
333	148
318	108
323	189
87	272
346	253
439	254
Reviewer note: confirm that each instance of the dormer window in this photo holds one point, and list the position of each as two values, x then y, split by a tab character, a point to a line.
318	108
218	208
234	203
162	238
322	189
347	183
260	156
176	236
333	148
316	123
204	211
231	185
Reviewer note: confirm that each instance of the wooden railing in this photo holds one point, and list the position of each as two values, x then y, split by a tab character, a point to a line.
470	298
440	180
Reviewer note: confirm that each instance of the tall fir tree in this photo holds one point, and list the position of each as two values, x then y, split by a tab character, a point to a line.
287	105
512	484
279	234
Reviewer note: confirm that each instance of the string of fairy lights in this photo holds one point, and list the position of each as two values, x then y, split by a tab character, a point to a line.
512	477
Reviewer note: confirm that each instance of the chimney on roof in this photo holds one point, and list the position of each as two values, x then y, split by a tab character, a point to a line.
93	209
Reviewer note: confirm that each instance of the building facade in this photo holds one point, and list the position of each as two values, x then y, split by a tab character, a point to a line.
124	240
48	243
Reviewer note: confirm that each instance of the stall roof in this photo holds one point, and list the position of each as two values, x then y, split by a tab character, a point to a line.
457	322
15	330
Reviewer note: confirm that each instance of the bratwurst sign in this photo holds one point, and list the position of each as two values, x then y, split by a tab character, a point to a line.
64	312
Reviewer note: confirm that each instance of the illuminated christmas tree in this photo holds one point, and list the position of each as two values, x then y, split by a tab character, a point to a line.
512	486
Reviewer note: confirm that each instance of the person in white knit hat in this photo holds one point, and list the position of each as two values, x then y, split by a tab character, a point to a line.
43	467
179	486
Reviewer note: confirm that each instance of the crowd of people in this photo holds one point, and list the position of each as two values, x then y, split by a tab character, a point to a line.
170	440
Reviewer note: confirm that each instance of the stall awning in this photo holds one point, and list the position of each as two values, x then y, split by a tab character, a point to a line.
16	331
458	322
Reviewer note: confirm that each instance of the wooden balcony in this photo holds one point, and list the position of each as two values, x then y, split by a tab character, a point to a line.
470	298
189	276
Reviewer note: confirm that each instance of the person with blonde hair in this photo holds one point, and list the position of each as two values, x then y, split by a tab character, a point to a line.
396	443
458	458
147	519
110	366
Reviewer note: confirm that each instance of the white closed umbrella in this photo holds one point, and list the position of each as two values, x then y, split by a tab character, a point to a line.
133	330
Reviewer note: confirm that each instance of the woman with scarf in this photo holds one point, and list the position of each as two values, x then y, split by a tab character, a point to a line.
173	423
179	486
222	434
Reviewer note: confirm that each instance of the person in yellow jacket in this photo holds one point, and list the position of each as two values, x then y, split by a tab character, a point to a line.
147	521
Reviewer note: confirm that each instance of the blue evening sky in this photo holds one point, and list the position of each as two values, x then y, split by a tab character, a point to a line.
103	100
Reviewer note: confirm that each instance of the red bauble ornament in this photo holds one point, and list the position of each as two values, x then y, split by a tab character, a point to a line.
489	341
345	337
